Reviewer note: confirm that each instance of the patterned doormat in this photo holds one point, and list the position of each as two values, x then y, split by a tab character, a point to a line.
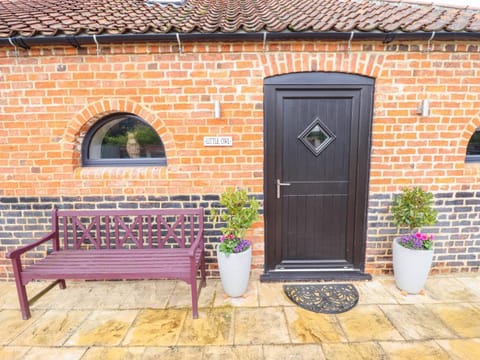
324	298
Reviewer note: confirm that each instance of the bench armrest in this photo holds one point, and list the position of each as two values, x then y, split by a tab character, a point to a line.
17	252
198	242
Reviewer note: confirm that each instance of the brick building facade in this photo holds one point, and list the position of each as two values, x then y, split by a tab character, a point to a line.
327	110
52	95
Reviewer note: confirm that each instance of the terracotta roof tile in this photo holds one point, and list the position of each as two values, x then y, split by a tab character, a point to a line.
57	18
474	24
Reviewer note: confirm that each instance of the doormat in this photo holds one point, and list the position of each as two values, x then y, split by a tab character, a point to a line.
324	298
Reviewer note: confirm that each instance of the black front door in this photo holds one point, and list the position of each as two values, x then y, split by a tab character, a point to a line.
317	142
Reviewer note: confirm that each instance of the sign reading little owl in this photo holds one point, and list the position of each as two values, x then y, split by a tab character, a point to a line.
217	141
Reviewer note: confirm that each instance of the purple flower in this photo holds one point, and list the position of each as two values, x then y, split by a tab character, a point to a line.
417	241
230	244
241	246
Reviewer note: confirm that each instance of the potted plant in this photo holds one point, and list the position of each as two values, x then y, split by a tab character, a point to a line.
234	252
413	252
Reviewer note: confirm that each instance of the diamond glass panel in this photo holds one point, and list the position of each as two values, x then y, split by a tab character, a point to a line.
317	136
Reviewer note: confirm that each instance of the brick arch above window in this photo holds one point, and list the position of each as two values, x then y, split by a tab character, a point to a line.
79	125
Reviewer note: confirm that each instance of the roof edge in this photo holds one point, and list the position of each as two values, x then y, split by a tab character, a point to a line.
78	40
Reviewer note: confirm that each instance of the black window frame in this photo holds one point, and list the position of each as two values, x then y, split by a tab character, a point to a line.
117	162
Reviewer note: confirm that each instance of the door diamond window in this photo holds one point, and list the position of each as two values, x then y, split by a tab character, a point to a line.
317	136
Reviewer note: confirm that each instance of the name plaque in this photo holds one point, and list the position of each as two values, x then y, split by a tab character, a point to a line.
217	141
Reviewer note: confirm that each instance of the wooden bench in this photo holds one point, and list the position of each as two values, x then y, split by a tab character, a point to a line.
116	244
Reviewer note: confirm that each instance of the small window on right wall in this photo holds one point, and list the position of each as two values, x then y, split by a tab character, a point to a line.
473	148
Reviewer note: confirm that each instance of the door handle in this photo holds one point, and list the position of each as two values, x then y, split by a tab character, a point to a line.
279	184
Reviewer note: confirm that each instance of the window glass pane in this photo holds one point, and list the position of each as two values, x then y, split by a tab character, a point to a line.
473	147
125	138
316	137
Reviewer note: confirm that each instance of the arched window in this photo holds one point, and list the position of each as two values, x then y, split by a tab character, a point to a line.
122	139
473	147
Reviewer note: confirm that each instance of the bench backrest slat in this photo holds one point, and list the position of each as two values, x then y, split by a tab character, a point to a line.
109	229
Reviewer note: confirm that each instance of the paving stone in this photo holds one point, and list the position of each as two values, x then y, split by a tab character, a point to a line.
442	324
449	289
462	319
473	284
12	325
293	352
52	328
8	293
156	327
416	322
402	298
104	295
173	353
418	350
249	299
353	351
373	292
78	294
182	296
107	353
9	299
13	352
260	326
148	294
104	328
366	323
213	327
464	349
5	288
233	353
309	327
272	294
49	353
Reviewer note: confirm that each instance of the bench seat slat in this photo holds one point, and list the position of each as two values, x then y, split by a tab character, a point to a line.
116	264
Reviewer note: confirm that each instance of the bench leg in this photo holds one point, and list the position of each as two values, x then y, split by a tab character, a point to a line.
23	300
203	272
21	289
61	284
194	299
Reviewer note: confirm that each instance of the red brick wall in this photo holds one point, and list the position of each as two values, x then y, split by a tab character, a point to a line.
51	95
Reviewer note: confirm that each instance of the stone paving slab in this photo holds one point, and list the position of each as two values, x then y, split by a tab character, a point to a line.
266	325
306	327
153	320
463	319
464	349
52	328
417	322
414	350
353	351
368	323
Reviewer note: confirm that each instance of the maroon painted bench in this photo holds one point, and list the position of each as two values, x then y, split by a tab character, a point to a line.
116	244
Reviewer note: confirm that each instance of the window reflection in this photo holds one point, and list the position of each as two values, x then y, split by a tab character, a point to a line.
122	139
126	138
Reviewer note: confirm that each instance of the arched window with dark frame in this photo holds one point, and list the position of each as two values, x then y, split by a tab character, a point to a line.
473	147
122	139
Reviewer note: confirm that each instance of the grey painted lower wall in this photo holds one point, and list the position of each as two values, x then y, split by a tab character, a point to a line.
457	233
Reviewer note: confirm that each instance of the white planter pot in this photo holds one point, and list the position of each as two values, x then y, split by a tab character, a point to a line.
235	271
410	267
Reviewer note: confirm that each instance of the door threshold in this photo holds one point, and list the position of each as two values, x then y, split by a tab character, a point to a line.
314	275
